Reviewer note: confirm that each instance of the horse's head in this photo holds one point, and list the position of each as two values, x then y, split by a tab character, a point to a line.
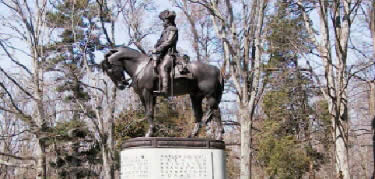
126	58
105	65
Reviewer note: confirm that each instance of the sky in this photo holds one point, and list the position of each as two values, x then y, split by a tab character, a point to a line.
121	36
359	35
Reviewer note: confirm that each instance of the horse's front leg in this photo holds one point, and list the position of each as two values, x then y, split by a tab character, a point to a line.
149	103
196	103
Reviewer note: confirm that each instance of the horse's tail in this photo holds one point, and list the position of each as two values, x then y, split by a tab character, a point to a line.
222	77
220	86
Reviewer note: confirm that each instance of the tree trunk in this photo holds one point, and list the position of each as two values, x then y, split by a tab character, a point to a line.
41	167
372	115
372	82
341	149
342	33
245	77
245	163
335	92
107	155
247	107
108	168
372	99
193	30
108	140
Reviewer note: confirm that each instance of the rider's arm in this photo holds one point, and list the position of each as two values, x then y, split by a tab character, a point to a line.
158	42
171	38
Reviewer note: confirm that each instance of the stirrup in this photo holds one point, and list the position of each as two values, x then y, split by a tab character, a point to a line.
161	93
184	75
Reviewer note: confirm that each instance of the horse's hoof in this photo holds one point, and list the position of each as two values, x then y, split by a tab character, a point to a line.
148	134
142	119
220	137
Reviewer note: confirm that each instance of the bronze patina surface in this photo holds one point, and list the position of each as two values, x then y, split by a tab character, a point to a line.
150	78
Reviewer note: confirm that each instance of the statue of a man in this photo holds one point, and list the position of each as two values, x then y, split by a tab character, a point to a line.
165	48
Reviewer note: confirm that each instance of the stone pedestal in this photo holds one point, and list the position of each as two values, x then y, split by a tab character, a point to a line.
173	158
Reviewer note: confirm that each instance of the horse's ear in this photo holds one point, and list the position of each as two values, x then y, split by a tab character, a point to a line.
111	51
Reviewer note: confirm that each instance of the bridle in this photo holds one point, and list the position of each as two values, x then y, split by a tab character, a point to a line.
135	77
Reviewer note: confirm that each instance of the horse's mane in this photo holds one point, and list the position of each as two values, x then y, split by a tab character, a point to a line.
130	52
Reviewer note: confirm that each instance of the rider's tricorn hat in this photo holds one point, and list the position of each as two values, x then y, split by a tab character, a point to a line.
171	15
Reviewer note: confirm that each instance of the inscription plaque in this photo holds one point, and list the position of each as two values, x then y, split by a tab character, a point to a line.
182	166
135	166
172	163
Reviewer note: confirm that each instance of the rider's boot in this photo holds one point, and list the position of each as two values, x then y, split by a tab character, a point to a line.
164	84
164	91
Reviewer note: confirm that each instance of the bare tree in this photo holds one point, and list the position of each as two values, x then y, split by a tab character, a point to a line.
371	81
104	96
200	32
341	14
241	40
12	132
32	30
134	14
371	23
187	9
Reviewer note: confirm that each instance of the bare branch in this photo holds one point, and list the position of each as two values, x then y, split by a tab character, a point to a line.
11	98
17	157
13	60
101	15
16	83
18	165
93	87
231	123
13	135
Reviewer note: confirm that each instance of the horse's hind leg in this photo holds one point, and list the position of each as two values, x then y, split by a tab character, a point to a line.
214	112
196	103
220	129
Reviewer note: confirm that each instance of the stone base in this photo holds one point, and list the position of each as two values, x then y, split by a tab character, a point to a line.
173	158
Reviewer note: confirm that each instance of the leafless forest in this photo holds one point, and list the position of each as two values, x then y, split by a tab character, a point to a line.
299	99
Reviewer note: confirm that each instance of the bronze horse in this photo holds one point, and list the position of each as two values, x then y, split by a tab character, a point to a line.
207	82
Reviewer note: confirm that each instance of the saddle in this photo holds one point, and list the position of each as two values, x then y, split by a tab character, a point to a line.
181	67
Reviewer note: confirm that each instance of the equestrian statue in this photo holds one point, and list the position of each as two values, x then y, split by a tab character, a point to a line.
166	73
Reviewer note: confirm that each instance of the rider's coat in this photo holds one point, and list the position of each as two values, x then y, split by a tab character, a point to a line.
168	40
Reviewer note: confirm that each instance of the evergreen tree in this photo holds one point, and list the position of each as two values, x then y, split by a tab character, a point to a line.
284	144
72	58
